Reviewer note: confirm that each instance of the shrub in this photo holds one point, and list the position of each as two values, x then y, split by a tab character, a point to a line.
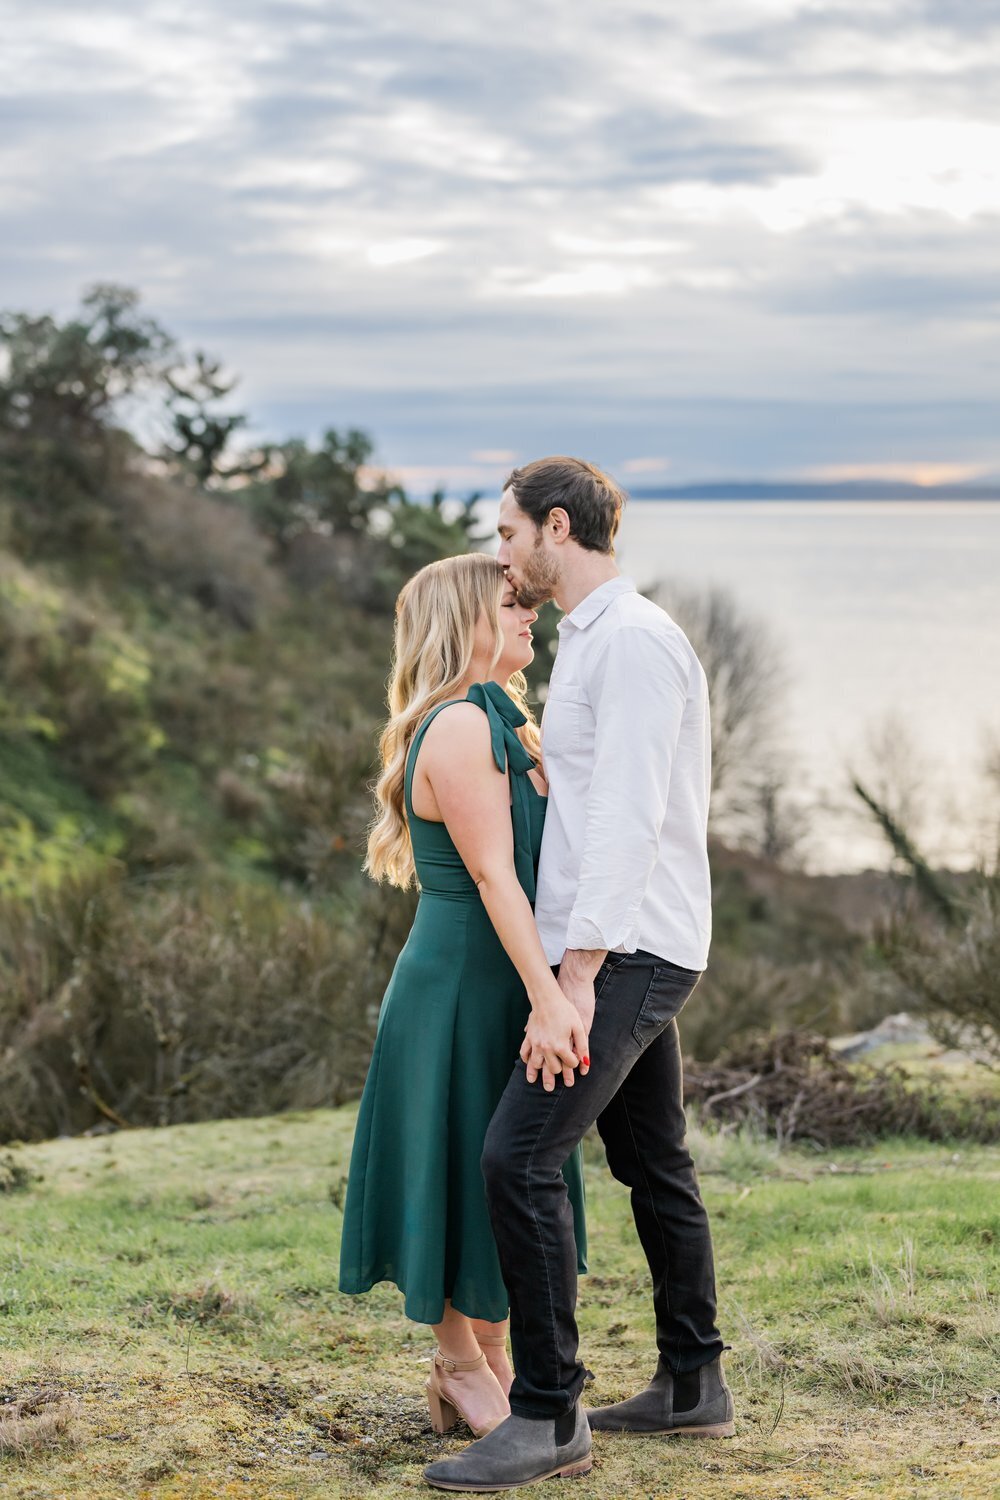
951	973
197	544
144	1005
746	994
947	955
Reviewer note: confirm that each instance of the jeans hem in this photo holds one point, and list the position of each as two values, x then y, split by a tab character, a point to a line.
687	1365
532	1414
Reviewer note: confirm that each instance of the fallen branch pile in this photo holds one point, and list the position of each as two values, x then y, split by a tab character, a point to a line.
794	1087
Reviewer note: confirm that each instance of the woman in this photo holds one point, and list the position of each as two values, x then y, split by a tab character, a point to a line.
453	1018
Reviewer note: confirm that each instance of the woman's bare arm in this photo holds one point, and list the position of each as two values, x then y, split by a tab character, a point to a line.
473	798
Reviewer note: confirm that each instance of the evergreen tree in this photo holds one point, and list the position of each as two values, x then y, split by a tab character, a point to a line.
60	442
201	433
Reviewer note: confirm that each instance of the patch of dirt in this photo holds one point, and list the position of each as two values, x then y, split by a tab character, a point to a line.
269	1399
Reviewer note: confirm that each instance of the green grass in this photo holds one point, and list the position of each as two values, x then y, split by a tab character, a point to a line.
171	1297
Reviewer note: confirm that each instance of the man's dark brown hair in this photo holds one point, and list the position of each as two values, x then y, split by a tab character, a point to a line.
590	498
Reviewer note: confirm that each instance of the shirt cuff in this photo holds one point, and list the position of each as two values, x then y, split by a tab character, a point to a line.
583	933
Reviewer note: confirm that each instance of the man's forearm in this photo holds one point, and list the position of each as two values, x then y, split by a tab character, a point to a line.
582	963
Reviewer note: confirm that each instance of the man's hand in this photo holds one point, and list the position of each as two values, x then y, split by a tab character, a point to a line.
555	1041
576	980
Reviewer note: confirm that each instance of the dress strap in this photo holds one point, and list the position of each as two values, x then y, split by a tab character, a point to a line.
504	719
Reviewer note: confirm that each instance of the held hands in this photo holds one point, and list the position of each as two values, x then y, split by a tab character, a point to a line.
555	1041
557	1036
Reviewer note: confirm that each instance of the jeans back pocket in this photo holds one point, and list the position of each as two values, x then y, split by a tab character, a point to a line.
670	988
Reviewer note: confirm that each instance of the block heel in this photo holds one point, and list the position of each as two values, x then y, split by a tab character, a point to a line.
443	1414
443	1409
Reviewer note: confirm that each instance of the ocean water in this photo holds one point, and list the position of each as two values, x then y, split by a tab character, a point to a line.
885	614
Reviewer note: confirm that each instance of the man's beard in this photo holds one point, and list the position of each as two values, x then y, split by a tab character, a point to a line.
539	579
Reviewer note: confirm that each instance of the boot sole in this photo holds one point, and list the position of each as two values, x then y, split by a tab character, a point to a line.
712	1430
566	1471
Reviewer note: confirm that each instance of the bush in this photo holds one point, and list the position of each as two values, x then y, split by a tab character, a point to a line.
951	972
944	946
148	1005
743	995
200	545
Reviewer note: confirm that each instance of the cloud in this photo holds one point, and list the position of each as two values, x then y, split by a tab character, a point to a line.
400	252
910	473
886	294
533	221
645	465
598	279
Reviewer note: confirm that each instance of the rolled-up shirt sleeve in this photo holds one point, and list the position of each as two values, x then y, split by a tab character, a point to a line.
637	689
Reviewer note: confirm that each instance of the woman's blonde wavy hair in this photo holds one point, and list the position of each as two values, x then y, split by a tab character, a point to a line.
436	616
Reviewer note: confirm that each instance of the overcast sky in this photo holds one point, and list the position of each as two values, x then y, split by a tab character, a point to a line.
684	238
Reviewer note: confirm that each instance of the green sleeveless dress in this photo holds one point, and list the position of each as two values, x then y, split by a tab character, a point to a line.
449	1032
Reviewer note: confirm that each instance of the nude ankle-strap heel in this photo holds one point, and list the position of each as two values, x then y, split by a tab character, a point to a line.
444	1410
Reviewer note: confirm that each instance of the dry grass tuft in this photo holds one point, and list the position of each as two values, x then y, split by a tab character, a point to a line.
984	1325
208	1302
766	1358
15	1176
855	1373
892	1296
36	1421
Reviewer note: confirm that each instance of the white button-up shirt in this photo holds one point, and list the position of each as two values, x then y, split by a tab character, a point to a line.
627	749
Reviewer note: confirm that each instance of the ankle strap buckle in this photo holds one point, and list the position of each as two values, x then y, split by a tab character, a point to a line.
451	1365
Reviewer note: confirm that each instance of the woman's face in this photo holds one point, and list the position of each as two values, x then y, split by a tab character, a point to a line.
515	621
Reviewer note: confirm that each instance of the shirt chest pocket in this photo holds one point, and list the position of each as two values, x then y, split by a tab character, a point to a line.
566	721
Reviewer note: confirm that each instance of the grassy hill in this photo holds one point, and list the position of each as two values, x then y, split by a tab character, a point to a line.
171	1325
193	653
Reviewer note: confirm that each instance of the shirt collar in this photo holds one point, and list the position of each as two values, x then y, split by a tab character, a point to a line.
596	602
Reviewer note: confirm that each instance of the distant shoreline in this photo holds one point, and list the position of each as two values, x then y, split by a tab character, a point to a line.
852	490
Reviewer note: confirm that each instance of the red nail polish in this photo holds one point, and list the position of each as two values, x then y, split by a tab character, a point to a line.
586	1062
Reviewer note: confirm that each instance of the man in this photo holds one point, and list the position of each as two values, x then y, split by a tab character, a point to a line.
624	910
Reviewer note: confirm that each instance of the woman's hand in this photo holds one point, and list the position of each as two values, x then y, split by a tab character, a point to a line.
555	1041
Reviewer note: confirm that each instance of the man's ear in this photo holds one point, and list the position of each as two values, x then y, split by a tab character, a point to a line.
558	523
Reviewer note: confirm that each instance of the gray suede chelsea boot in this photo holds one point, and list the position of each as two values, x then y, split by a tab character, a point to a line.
518	1452
704	1396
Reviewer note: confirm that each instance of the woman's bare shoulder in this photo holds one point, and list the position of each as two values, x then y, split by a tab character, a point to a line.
459	729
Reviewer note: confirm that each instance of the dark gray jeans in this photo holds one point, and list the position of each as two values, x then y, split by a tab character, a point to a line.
634	1092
